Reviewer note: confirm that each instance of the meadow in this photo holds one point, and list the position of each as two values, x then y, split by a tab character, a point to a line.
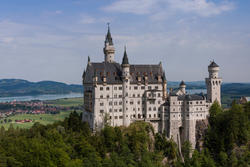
44	118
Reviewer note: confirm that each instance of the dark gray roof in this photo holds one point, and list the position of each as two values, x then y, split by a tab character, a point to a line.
191	97
125	58
213	64
182	83
109	38
113	73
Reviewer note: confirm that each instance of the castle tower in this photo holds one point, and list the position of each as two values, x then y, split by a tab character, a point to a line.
183	87
109	50
125	88
213	83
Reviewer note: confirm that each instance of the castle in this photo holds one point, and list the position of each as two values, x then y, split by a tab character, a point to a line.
119	94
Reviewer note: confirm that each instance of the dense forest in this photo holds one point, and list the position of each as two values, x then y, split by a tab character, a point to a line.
71	143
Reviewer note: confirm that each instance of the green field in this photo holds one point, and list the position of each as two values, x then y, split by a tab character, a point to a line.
44	118
66	102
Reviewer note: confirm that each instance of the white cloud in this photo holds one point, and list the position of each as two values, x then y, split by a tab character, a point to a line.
159	9
86	19
132	6
58	12
201	7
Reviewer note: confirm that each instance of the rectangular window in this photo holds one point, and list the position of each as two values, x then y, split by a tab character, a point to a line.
143	87
136	88
120	88
107	88
101	111
101	88
115	88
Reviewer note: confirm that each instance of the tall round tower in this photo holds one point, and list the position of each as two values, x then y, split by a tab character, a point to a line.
183	87
213	83
125	89
109	49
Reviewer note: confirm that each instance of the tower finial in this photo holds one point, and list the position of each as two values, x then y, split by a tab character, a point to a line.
108	25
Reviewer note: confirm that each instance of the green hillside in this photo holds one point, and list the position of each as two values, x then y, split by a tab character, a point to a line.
18	87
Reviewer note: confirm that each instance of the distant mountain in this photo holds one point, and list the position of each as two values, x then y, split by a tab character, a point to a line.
237	89
19	87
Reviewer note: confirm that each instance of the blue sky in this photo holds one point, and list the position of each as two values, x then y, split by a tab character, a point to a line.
51	39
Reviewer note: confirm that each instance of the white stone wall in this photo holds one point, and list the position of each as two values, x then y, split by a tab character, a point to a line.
108	102
183	116
214	89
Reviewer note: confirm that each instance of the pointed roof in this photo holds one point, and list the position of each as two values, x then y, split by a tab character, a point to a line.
108	37
164	76
125	57
182	83
213	64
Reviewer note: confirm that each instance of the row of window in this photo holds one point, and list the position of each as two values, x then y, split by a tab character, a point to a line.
131	103
188	115
138	116
133	95
188	109
135	88
181	102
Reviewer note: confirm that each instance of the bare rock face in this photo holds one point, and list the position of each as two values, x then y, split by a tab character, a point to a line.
200	130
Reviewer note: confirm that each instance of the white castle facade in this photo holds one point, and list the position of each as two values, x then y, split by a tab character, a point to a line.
119	94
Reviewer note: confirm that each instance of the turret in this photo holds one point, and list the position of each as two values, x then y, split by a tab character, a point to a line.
183	87
164	86
109	50
213	70
213	83
125	88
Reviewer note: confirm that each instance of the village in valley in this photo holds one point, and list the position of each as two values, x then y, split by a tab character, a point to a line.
34	107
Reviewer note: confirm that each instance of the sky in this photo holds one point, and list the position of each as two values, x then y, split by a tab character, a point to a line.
51	39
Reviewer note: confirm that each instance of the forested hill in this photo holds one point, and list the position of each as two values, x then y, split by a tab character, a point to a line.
18	87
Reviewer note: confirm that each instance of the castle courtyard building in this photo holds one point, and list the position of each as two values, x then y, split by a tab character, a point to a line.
119	94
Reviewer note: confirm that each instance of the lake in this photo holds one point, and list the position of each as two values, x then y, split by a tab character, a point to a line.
40	97
72	95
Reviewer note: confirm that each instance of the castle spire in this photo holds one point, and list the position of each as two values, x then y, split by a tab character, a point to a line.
109	50
109	37
125	57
